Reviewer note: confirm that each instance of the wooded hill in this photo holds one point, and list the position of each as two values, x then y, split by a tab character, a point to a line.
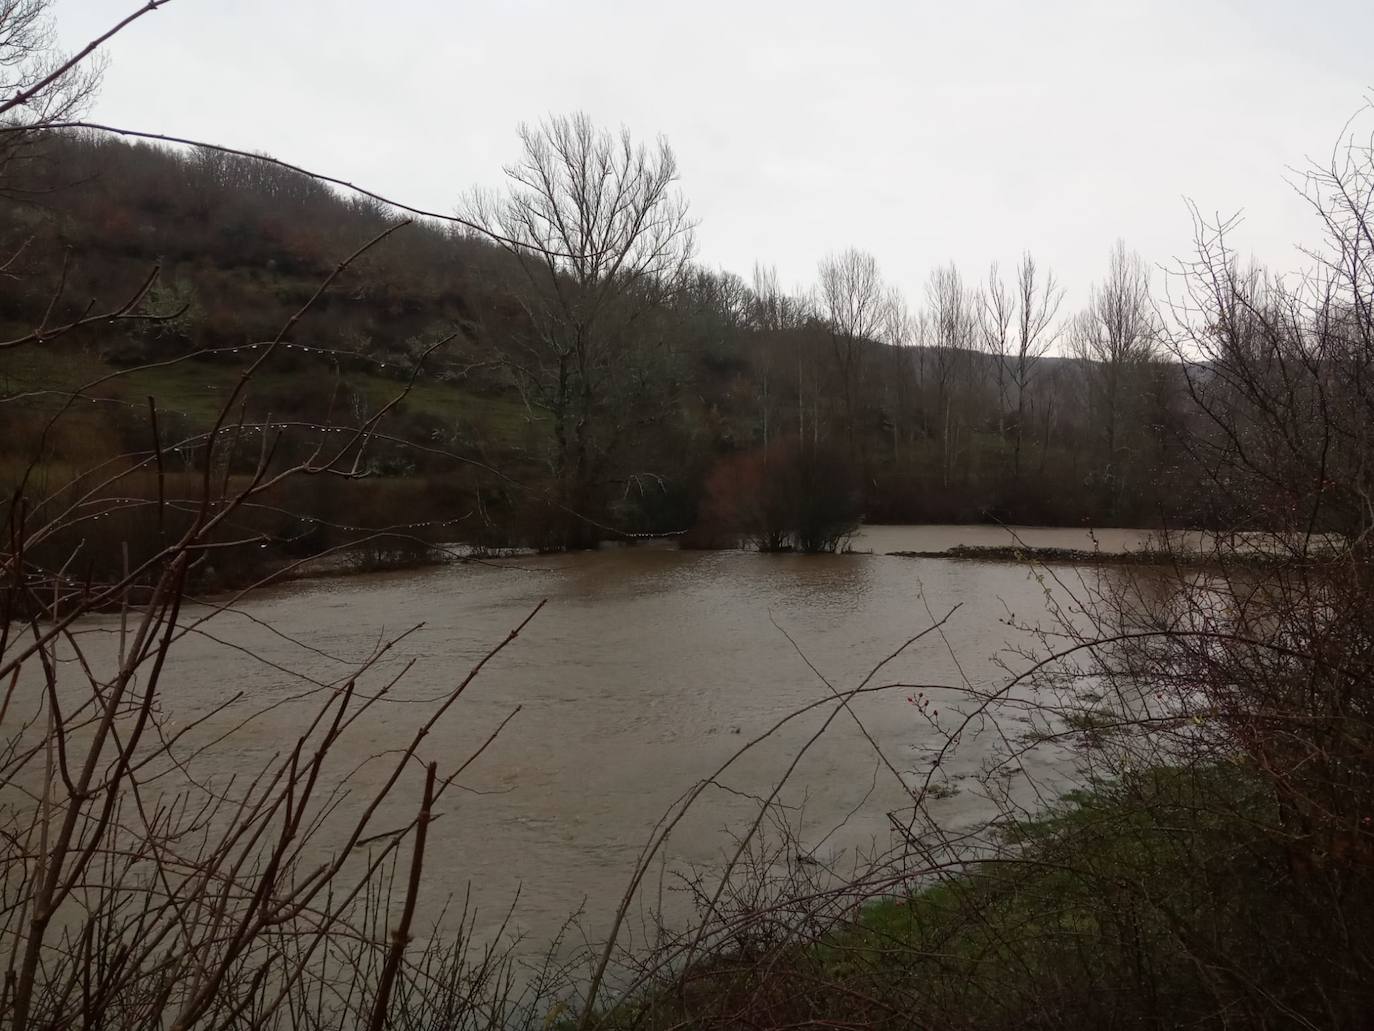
984	401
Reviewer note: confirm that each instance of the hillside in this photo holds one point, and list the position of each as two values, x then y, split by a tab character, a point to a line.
710	372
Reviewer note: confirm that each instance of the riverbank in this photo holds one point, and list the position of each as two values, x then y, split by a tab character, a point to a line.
250	566
1159	899
875	540
1062	556
1251	555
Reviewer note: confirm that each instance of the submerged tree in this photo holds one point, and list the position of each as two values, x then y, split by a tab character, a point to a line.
801	496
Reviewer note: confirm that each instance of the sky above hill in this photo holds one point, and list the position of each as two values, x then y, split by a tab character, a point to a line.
922	132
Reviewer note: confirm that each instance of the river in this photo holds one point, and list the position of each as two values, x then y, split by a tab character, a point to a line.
644	671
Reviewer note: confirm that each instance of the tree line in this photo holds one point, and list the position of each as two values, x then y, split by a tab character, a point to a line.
648	387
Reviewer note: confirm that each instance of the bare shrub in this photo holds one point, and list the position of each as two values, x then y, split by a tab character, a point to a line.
135	891
797	496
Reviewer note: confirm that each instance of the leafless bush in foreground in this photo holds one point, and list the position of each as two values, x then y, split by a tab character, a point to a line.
137	887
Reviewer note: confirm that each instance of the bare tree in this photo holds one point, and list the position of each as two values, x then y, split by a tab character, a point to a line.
1037	303
898	333
953	333
771	312
602	236
997	312
853	302
40	86
1114	339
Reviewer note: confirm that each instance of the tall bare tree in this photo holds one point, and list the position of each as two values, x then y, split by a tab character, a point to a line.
996	313
1115	338
773	312
953	333
853	302
602	235
1037	302
898	332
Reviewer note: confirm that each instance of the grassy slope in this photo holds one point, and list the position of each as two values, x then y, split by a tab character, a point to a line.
197	390
1163	900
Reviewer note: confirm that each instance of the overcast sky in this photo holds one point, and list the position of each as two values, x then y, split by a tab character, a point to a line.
923	132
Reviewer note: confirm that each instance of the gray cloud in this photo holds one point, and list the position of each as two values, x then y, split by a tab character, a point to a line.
923	132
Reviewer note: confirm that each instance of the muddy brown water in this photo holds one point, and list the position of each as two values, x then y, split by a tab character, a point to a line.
646	669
